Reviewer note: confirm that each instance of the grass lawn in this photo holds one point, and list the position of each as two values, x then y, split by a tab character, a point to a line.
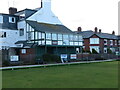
94	75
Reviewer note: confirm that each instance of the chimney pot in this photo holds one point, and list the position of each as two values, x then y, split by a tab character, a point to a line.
113	32
96	29
79	29
100	30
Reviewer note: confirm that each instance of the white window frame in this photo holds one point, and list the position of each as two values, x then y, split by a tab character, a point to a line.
23	51
105	49
48	36
111	42
10	20
118	42
115	42
60	37
54	36
94	41
104	41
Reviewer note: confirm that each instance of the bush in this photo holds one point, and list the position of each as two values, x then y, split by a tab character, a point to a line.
88	51
51	58
5	63
109	51
94	51
83	50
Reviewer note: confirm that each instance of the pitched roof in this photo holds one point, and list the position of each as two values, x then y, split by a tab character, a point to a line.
25	44
88	34
52	28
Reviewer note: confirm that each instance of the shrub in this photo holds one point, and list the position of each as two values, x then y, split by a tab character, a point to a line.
87	51
109	51
94	51
83	50
5	63
51	58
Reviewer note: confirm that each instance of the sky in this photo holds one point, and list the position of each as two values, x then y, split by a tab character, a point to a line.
87	14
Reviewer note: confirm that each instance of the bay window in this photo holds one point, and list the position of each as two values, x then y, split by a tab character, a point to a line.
94	40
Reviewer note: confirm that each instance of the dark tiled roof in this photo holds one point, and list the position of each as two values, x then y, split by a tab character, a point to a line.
44	27
21	42
88	34
25	44
119	37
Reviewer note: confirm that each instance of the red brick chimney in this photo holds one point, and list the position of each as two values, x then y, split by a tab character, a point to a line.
79	29
113	32
96	29
12	10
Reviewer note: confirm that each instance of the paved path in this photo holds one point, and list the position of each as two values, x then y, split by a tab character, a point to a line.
44	65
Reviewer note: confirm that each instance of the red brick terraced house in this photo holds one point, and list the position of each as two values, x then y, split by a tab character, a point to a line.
99	41
119	43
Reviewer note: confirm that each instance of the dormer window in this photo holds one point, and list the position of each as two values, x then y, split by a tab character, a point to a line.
12	19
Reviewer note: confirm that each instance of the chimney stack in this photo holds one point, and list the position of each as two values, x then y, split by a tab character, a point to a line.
113	32
12	10
96	29
100	30
79	29
46	4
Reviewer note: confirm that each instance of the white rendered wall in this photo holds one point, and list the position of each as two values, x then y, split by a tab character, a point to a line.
45	15
22	25
12	36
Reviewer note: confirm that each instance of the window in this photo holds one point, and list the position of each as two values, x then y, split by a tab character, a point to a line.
65	37
71	37
71	43
94	40
77	50
39	35
36	35
23	51
48	36
80	43
1	19
43	36
115	42
54	36
60	42
59	36
75	37
2	34
119	42
32	35
21	32
80	38
111	42
105	50
105	41
76	43
12	19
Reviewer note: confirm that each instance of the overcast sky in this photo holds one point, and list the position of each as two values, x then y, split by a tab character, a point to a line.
74	13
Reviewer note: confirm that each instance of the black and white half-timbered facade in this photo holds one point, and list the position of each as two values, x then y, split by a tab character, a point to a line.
39	31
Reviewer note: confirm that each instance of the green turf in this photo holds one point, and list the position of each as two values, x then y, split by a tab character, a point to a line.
94	75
